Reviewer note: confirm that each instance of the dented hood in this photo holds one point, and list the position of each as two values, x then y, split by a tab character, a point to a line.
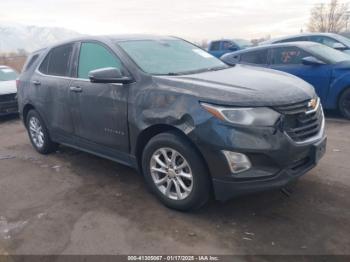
241	85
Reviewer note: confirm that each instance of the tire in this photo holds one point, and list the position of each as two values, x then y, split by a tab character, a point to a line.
344	104
188	162
38	134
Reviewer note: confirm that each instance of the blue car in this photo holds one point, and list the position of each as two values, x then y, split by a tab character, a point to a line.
327	69
335	41
219	47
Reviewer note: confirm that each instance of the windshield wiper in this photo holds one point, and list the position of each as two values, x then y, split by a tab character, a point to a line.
217	68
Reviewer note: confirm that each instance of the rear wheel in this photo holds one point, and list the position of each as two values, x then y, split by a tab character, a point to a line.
344	104
38	133
175	172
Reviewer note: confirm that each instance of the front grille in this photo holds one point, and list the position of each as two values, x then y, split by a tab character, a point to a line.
8	97
301	121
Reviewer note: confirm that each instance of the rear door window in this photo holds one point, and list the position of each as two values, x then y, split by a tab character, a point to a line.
95	56
57	61
227	45
258	57
215	46
30	62
288	55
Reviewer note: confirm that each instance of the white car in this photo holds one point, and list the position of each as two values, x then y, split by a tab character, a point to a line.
8	91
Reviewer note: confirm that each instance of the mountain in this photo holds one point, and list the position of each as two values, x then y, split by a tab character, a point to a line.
30	38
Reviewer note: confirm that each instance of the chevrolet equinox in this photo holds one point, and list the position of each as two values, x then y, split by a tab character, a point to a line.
194	126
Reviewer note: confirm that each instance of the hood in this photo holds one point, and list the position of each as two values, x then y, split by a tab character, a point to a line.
8	87
241	85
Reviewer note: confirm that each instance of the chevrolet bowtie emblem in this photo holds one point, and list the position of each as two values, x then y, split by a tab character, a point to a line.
312	104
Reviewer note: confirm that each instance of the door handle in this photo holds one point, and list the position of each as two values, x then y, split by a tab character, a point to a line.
36	82
76	89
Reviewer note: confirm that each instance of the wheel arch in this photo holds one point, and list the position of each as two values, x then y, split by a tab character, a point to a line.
25	112
146	135
341	93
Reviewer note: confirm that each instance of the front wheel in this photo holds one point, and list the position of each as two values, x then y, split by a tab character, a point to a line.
344	104
175	172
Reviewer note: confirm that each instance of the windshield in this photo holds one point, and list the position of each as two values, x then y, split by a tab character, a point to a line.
342	39
331	55
242	43
7	74
170	57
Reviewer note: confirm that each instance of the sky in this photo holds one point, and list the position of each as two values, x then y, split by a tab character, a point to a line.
190	19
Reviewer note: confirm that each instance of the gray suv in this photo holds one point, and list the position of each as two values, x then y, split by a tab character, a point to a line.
193	126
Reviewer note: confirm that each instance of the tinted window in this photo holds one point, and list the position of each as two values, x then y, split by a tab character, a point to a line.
57	61
215	46
30	62
256	57
324	40
288	55
7	74
226	45
94	56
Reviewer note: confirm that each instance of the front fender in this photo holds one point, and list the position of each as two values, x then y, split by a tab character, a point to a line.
336	88
153	106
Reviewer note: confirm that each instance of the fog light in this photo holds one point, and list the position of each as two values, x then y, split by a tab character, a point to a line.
238	162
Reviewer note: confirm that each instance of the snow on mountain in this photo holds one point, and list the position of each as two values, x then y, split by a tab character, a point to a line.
30	38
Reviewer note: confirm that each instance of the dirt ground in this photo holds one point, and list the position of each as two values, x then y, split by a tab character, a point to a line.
76	203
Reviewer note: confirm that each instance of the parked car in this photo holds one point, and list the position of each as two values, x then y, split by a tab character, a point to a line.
219	47
8	91
328	70
335	41
186	120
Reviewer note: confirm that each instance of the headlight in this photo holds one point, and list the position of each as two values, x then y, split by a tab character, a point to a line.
257	116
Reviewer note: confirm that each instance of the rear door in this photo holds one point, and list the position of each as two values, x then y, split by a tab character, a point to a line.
100	110
50	89
289	59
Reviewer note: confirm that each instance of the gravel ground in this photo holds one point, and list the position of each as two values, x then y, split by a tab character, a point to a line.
75	203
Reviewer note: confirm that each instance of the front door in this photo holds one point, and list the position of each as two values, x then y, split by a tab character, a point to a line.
289	59
100	116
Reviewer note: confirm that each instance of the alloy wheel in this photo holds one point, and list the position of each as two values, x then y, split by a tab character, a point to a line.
36	132
171	173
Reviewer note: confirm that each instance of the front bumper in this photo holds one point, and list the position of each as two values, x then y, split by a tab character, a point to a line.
8	105
276	159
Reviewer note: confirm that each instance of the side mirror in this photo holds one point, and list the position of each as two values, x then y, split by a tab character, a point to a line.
230	60
108	75
312	61
339	46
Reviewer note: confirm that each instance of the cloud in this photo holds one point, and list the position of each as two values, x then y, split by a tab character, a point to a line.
194	19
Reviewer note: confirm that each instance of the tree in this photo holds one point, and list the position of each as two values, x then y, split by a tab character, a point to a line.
332	17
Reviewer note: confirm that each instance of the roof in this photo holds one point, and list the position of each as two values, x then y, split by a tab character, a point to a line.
300	44
116	38
294	36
